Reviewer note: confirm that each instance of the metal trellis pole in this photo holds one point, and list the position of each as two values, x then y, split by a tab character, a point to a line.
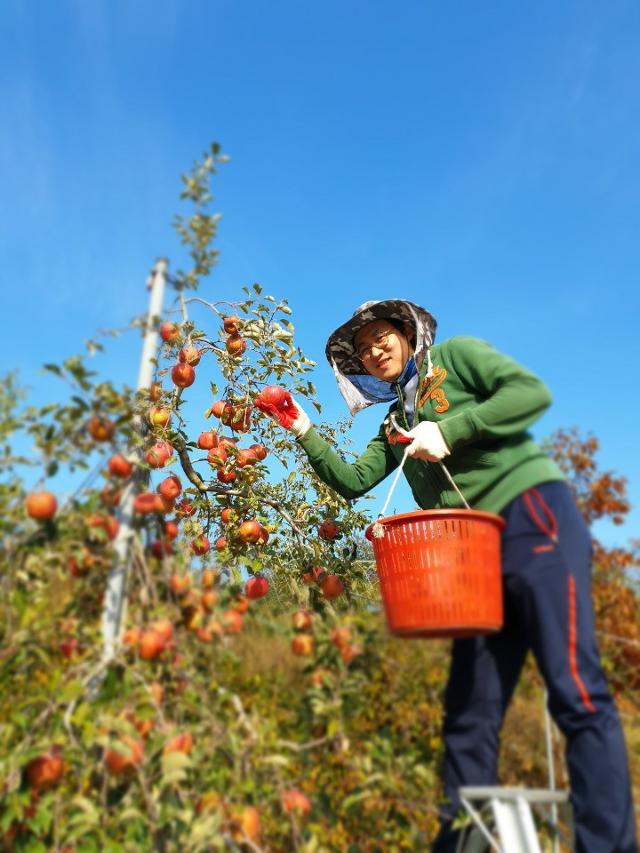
115	594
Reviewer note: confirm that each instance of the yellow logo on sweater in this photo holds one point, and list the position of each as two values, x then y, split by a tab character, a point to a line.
431	389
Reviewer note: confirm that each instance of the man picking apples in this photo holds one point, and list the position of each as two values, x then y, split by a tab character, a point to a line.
463	402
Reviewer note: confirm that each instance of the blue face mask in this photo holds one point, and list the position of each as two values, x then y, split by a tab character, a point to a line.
379	391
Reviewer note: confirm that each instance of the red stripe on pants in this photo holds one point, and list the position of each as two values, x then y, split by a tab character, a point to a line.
573	635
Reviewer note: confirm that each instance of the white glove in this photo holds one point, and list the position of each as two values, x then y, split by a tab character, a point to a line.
428	443
302	423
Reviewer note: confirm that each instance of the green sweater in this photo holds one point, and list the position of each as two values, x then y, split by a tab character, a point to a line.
483	402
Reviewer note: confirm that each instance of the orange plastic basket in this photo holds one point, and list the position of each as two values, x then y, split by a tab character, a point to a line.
440	573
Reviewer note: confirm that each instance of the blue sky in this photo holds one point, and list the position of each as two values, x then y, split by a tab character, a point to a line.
479	159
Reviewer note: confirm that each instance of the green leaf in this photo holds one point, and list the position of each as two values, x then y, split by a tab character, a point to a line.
52	368
88	813
355	798
72	690
277	760
205	828
174	768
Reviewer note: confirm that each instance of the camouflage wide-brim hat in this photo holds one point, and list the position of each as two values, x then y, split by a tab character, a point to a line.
340	350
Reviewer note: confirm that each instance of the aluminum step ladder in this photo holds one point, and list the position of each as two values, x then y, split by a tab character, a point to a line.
509	827
508	811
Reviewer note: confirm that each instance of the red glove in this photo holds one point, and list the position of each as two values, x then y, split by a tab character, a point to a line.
290	415
396	438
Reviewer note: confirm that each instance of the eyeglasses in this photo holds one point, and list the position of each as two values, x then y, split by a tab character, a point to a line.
381	342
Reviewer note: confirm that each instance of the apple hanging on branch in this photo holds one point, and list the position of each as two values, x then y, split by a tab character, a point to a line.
41	505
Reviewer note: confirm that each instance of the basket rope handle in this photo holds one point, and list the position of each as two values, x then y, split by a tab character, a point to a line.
453	483
405	434
394	483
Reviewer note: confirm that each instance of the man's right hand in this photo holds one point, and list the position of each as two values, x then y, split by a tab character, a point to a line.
288	413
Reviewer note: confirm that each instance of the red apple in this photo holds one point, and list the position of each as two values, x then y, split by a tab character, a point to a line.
301	620
200	546
184	509
107	523
318	573
161	548
147	502
260	451
349	652
100	428
189	355
164	627
273	394
226	415
231	324
179	584
256	587
302	645
144	727
207	633
217	408
120	467
170	487
221	543
124	756
328	530
295	802
151	644
159	454
320	677
209	578
169	332
246	457
41	505
209	599
68	647
231	621
183	375
170	530
217	456
226	476
331	586
182	742
241	420
131	637
250	531
45	771
228	515
241	604
110	496
208	440
341	636
80	563
246	824
236	345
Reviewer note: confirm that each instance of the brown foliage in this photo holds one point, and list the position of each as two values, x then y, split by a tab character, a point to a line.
603	495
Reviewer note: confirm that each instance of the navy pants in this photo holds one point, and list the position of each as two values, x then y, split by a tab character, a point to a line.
546	565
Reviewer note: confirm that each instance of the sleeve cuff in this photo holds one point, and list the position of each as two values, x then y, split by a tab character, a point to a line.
312	443
458	430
